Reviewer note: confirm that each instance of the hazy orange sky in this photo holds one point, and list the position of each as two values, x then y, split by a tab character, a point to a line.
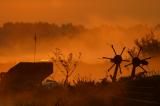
89	12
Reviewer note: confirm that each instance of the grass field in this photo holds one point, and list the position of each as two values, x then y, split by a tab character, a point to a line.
140	92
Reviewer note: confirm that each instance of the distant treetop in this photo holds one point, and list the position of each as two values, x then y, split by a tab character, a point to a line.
149	43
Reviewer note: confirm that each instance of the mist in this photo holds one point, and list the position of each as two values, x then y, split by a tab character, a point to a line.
17	44
92	42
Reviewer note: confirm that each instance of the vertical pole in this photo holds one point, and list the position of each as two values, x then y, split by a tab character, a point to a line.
133	73
115	73
35	46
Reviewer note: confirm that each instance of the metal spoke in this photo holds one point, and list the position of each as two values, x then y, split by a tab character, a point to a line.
130	54
147	58
143	69
123	50
114	50
128	65
126	60
111	76
111	67
139	52
120	69
106	58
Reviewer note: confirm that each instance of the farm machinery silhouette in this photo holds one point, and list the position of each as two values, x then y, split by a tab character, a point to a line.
118	59
26	75
137	62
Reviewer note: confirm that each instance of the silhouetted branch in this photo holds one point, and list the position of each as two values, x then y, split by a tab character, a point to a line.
68	65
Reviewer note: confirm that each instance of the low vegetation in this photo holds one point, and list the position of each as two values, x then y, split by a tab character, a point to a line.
86	92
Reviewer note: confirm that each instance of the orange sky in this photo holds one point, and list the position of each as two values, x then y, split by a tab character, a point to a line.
89	12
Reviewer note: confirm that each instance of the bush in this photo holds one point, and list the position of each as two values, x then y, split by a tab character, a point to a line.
149	43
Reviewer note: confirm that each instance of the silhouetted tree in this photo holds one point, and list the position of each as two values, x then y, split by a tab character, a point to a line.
67	65
149	43
15	36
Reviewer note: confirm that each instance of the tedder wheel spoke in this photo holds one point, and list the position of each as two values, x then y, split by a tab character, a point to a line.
114	50
111	67
139	52
130	54
143	69
147	58
123	50
128	65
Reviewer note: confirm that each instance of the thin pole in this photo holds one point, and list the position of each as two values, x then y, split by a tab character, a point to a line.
35	46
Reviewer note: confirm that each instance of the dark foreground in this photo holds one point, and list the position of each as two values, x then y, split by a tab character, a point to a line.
140	92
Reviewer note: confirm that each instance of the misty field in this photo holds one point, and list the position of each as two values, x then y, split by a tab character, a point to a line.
136	91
